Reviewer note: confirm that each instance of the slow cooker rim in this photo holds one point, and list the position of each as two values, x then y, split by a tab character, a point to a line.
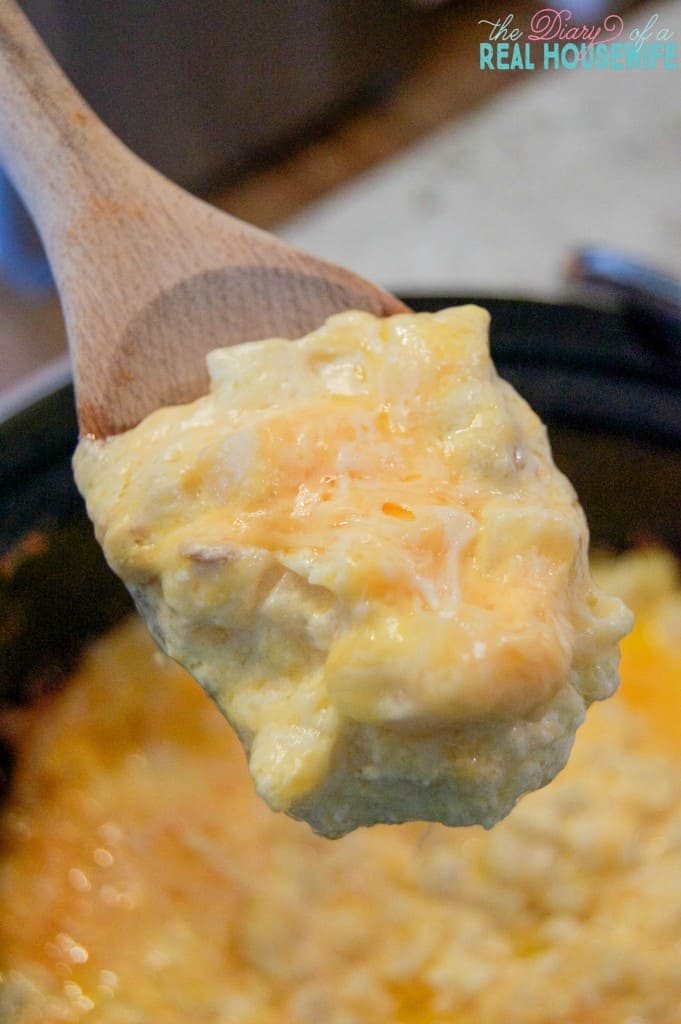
38	384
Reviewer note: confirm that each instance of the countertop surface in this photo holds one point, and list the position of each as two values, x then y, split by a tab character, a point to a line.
494	202
477	182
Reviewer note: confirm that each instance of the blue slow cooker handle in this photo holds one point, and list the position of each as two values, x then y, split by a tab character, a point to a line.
647	295
22	260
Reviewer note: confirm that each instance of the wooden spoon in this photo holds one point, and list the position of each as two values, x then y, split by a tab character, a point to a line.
150	278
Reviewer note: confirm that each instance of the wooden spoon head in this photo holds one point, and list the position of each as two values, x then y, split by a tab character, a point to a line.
160	357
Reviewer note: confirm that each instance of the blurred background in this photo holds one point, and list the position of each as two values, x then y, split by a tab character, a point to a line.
366	132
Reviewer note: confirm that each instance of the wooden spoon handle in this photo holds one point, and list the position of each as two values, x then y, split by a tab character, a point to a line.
53	147
150	278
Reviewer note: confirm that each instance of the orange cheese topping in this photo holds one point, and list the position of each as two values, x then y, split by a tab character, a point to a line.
650	672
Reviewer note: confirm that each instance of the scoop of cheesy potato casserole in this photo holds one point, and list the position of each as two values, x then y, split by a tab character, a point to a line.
360	546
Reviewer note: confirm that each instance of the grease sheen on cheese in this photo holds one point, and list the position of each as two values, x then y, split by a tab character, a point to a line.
360	546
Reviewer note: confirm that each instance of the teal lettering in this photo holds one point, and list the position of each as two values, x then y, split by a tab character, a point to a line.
520	60
486	56
569	56
616	55
634	56
602	55
551	56
586	56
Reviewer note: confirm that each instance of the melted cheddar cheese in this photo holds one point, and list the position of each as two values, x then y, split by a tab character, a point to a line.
360	546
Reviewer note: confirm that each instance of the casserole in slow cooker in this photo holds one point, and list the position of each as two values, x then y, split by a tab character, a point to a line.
142	880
